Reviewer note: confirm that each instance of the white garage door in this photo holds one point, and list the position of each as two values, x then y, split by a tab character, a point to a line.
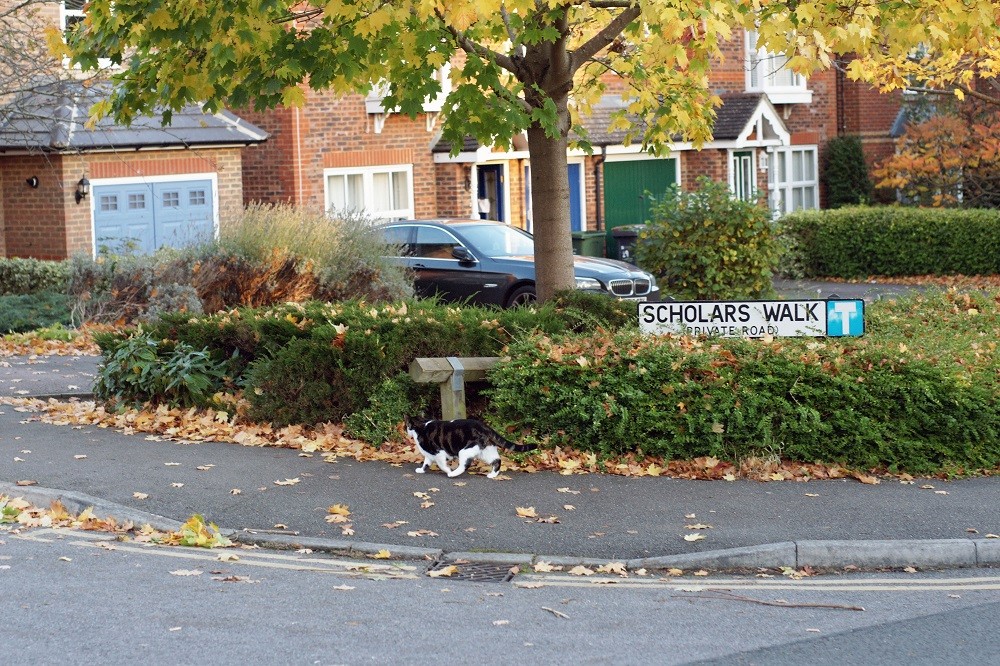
143	217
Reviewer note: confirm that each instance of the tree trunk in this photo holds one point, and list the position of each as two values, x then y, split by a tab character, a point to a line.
550	213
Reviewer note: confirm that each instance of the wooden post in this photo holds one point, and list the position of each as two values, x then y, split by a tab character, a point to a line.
451	374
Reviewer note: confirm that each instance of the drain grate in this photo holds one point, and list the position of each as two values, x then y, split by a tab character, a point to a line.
479	572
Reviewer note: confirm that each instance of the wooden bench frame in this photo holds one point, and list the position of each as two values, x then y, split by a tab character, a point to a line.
450	374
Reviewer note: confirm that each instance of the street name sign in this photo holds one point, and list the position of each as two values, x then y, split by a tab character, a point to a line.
755	319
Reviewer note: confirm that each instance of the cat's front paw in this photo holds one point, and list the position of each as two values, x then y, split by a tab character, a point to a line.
420	470
493	475
455	472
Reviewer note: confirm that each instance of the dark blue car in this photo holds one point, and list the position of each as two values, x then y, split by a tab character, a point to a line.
491	263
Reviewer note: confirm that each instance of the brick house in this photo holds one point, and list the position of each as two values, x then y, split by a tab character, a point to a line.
67	188
769	140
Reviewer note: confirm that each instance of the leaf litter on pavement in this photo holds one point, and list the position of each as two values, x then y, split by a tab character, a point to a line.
330	441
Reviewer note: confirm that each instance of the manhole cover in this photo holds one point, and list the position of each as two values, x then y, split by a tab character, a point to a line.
481	572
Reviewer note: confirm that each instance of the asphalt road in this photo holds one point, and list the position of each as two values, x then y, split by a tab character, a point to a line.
82	597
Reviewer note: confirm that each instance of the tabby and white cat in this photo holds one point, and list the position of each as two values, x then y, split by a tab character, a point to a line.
464	439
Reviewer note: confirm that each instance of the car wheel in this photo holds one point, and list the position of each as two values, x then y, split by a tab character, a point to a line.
521	296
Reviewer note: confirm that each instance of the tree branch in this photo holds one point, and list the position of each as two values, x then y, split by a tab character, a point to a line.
965	89
606	35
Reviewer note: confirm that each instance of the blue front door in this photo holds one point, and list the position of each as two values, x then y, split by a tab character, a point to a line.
575	193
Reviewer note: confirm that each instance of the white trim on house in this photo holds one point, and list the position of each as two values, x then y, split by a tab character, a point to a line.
368	174
766	73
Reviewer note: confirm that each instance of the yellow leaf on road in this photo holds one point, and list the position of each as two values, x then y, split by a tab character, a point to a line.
526	512
580	570
446	571
694	537
381	555
287	482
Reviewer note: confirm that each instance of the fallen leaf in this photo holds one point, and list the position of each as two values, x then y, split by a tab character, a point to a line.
343	588
613	567
420	533
909	570
172	464
27	482
580	570
701	572
228	557
729	476
673	571
339	510
569	507
381	555
545	567
446	571
500	623
187	572
694	537
567	490
392	526
235	491
176	485
287	482
65	559
140	495
698	526
812	494
940	492
927	486
204	468
526	512
79	457
992	536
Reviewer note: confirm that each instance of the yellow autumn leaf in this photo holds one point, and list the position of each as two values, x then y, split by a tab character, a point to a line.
580	570
446	571
381	555
339	509
544	567
526	512
694	537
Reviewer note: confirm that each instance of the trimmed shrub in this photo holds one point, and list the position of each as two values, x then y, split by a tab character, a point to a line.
865	406
857	242
26	312
708	245
846	173
27	276
315	362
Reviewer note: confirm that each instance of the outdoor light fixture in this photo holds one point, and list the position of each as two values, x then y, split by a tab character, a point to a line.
82	189
32	182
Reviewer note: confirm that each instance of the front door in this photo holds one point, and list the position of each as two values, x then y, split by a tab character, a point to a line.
491	192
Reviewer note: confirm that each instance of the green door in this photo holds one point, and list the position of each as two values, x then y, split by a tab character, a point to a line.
625	185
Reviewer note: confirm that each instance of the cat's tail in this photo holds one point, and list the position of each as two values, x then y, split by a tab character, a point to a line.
518	448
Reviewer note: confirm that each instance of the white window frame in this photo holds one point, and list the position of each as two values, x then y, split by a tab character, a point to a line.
65	14
748	167
398	212
788	187
769	70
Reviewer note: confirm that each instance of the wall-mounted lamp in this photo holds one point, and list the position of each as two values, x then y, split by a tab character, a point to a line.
32	182
82	189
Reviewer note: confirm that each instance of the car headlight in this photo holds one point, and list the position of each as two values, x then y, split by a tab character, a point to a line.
588	283
652	280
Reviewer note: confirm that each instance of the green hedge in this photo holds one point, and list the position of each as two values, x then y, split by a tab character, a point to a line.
28	276
865	406
316	362
857	242
20	313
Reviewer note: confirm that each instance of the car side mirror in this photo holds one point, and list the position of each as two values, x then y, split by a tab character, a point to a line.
462	254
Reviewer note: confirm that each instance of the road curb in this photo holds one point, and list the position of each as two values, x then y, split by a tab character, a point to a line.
77	502
829	554
898	553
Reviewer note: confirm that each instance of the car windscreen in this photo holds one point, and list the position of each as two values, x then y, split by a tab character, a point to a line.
496	240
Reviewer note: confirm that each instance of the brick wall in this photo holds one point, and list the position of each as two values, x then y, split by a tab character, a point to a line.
454	190
47	223
35	218
335	131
